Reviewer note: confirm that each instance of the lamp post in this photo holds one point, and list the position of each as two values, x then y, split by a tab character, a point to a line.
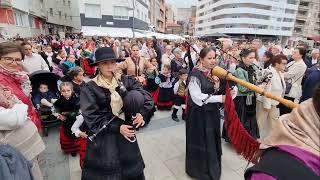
134	9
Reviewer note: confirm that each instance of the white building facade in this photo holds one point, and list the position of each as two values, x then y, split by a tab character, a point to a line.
22	18
113	16
251	17
62	16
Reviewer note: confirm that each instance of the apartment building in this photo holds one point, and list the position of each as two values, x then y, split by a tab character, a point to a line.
248	17
307	23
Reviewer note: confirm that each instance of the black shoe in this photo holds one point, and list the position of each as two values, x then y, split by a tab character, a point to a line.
184	115
175	118
73	154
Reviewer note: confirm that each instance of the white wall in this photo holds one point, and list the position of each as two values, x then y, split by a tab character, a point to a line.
57	6
107	6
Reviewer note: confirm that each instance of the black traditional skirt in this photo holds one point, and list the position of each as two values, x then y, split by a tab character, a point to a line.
247	114
166	98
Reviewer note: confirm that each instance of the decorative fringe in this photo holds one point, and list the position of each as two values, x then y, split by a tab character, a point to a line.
241	140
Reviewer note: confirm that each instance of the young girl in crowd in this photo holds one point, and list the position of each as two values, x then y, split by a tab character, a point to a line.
67	108
76	76
180	94
69	64
80	129
165	99
152	85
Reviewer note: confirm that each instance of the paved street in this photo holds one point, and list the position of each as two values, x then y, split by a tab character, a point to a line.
162	144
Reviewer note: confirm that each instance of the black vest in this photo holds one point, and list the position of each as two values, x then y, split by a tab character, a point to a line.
282	166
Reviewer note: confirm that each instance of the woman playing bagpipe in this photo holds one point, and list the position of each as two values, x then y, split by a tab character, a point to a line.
292	149
206	93
113	153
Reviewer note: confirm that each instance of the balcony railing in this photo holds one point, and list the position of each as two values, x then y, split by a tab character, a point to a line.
5	3
301	17
299	25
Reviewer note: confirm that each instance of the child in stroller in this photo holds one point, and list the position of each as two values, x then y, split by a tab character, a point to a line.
44	93
44	98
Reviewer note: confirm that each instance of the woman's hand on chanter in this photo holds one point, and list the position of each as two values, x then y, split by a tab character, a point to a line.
138	122
127	131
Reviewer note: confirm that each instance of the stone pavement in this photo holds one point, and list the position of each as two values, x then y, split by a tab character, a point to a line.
162	144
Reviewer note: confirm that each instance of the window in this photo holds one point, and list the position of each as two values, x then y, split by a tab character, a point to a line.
21	19
51	12
287	20
70	17
64	2
65	15
59	14
138	13
92	10
285	28
31	22
69	3
120	13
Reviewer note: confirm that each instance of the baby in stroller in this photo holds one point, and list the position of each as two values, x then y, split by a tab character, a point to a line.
44	98
44	93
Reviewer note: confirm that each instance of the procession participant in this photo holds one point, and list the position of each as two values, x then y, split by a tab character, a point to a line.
135	65
112	154
67	108
180	92
203	151
166	96
246	100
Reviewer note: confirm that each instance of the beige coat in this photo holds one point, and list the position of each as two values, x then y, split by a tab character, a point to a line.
131	69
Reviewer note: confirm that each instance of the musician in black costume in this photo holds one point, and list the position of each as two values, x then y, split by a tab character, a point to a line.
203	137
111	155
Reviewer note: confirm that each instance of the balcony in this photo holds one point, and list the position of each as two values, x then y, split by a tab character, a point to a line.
302	17
162	6
301	25
5	3
303	8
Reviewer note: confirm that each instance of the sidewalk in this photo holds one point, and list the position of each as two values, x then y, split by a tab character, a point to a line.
162	145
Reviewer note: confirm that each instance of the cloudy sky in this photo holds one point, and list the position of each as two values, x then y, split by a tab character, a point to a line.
182	3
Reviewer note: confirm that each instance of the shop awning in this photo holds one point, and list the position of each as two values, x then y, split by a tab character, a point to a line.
315	38
125	32
106	31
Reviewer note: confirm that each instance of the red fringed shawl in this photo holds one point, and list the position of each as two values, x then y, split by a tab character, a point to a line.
242	142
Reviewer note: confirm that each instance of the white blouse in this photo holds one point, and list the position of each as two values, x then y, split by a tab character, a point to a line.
200	98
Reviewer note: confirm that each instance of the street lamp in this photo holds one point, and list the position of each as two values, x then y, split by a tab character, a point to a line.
134	9
133	14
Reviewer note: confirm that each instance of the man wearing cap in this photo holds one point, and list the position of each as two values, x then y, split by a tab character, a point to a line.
114	153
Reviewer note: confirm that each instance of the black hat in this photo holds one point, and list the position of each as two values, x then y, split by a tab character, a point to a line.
104	54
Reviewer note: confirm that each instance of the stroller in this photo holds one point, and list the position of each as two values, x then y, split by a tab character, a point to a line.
46	114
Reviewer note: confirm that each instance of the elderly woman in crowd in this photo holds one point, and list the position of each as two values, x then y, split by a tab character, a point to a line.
18	118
